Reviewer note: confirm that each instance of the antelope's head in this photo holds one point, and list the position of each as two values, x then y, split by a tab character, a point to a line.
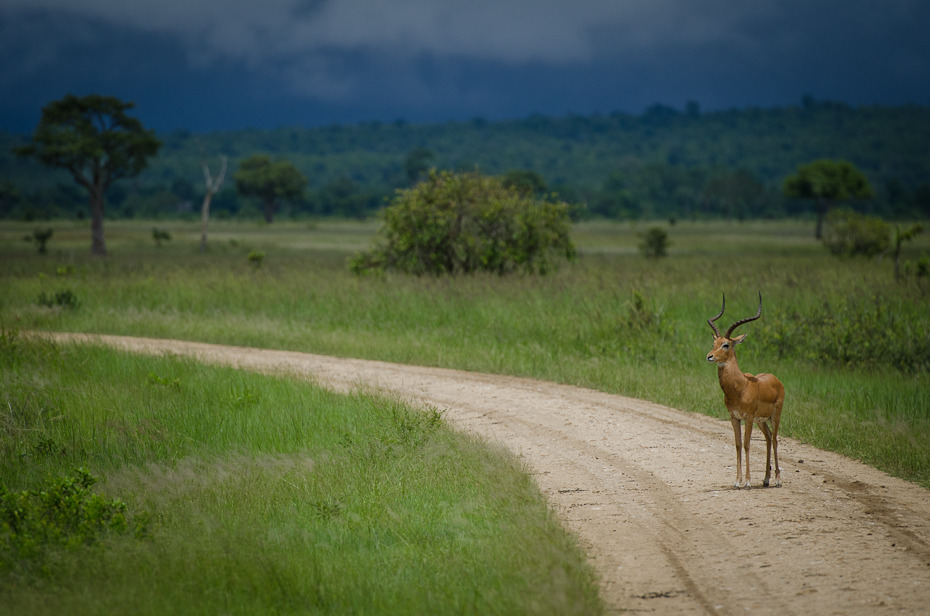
725	344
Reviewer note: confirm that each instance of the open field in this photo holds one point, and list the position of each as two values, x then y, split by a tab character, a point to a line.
851	345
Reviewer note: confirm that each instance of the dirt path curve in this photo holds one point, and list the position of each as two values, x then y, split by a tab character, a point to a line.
648	490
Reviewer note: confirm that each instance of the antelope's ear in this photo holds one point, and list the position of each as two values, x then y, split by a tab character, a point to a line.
739	339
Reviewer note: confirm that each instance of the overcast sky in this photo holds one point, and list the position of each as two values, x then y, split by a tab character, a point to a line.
227	64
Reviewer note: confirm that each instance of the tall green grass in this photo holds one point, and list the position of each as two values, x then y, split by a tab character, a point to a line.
269	495
850	343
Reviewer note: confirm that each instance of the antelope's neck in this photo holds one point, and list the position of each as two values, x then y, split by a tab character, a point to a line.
730	376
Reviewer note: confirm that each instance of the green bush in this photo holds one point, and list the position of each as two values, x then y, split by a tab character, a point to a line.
66	299
160	235
923	267
63	514
654	243
464	223
862	331
42	236
849	234
256	258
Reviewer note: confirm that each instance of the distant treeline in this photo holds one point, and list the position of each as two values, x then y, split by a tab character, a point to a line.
664	163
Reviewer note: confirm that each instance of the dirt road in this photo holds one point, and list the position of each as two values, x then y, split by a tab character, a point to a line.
648	490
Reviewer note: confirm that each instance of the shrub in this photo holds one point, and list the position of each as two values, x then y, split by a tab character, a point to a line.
862	331
923	267
654	243
900	236
42	236
160	235
850	234
465	223
256	258
66	299
63	514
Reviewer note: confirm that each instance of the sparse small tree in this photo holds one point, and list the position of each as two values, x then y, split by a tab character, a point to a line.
160	235
901	236
269	181
654	243
827	182
42	236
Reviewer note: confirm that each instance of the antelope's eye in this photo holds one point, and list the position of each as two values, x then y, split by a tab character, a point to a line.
726	345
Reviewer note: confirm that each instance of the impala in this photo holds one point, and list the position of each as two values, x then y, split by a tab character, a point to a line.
750	398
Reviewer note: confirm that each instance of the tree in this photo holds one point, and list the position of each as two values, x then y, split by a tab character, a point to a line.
827	182
464	223
94	139
269	181
42	236
213	185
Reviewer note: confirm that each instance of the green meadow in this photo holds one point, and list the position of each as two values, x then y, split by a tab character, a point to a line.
265	494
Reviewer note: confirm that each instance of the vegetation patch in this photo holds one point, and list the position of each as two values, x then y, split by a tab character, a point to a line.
466	223
858	332
261	495
842	333
62	514
64	299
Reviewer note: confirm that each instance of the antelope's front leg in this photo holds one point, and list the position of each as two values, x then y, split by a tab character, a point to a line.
739	453
746	438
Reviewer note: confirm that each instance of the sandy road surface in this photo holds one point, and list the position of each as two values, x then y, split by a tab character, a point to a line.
648	490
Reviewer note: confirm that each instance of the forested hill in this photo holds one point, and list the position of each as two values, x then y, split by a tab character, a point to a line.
661	163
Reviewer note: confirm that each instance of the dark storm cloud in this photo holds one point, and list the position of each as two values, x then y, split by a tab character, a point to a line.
212	63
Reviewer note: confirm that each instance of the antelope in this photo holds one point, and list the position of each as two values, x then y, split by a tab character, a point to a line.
750	398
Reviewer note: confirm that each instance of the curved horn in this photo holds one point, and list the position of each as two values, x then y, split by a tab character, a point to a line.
711	321
742	321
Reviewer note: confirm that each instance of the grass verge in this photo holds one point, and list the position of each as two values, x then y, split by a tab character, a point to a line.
268	495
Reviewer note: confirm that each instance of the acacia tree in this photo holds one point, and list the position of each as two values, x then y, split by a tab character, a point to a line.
97	142
269	181
827	182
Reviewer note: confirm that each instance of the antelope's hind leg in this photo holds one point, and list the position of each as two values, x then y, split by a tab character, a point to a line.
775	447
769	442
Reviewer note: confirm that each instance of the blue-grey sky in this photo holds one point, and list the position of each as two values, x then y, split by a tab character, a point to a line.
226	64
